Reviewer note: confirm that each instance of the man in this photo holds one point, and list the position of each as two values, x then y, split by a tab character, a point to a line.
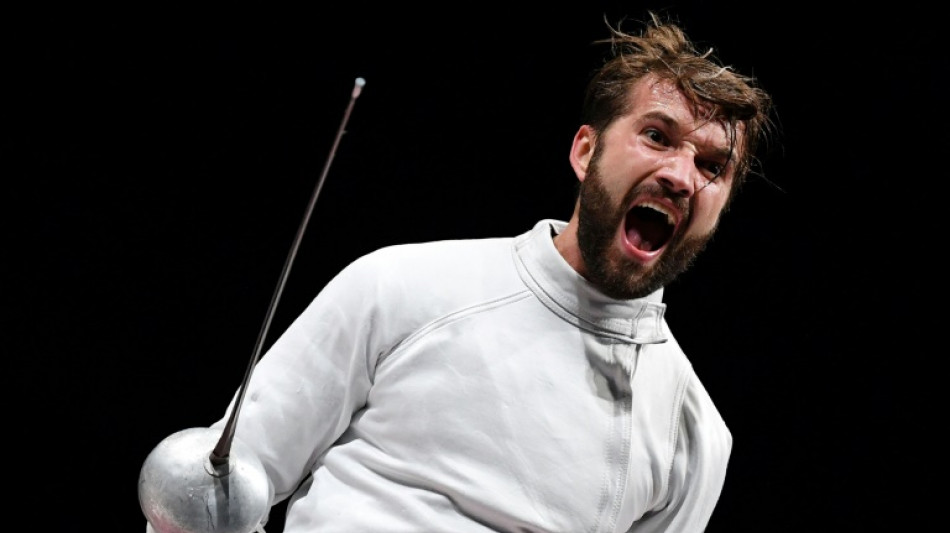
526	384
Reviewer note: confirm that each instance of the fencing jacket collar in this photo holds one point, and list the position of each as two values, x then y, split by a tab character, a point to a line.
573	298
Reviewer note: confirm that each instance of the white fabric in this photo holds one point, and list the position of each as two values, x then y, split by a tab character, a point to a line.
483	385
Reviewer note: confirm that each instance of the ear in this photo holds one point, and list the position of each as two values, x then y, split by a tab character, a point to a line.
581	151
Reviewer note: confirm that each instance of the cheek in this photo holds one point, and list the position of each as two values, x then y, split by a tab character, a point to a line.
706	211
620	170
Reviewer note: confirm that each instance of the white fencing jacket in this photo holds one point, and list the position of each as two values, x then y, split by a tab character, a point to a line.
482	385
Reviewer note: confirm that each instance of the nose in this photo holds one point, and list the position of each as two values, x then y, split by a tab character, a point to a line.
679	175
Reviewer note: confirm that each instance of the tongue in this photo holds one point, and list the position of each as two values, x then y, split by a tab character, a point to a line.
639	240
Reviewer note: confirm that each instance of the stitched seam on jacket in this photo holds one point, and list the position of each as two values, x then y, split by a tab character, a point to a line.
682	384
451	318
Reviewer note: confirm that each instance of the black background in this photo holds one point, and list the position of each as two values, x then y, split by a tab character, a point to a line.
159	164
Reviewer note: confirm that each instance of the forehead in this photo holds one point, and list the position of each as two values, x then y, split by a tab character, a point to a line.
660	99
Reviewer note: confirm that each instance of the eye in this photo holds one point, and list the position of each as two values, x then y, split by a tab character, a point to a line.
714	169
656	136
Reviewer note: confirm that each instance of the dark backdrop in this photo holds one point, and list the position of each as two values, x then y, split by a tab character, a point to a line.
158	166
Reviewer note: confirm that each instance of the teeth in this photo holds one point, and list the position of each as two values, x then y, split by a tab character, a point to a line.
661	209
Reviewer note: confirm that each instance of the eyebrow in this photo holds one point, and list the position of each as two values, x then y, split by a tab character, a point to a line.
671	123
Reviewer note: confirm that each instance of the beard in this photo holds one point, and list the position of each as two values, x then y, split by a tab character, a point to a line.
608	268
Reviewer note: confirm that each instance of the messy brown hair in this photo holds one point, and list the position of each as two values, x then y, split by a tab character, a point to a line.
716	92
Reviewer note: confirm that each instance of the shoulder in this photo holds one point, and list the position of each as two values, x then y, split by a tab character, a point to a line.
444	274
434	262
398	289
700	415
698	411
436	253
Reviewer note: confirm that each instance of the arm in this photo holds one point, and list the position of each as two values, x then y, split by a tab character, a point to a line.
703	447
305	389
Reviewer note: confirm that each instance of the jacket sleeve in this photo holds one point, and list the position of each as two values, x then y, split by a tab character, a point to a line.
305	389
698	473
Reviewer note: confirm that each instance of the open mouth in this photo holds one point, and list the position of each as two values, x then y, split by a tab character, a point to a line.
649	226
